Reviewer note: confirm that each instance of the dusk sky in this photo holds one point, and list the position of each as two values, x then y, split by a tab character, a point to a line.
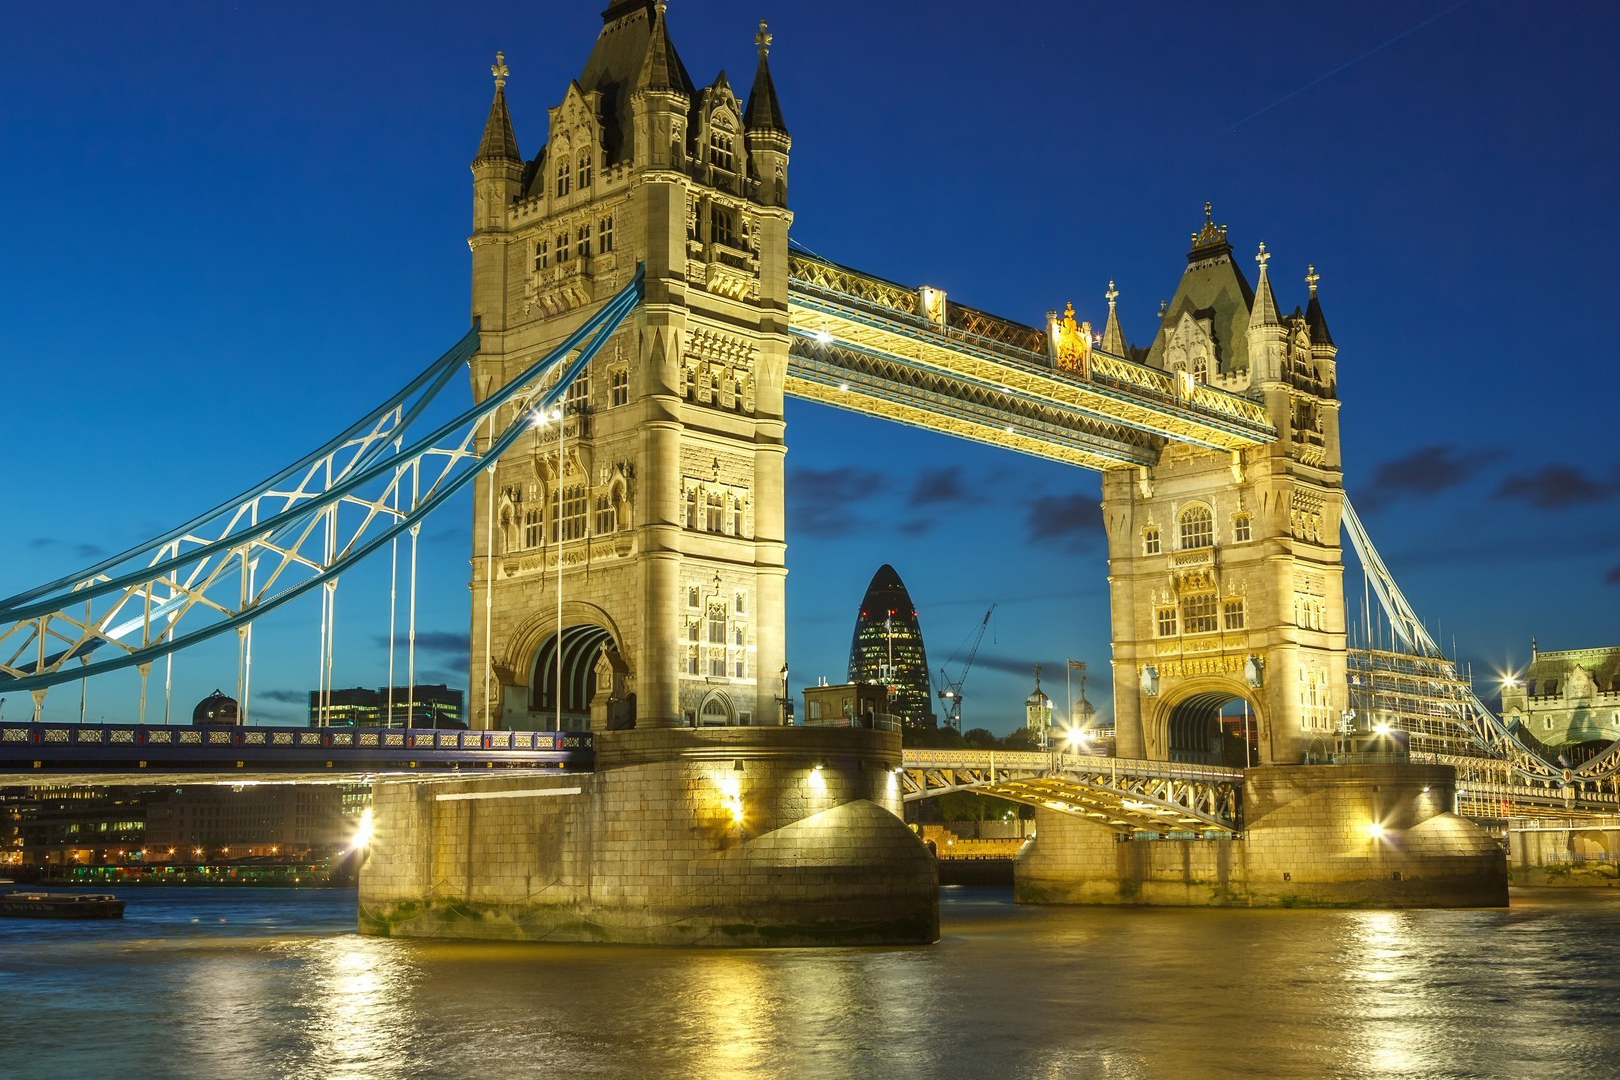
231	229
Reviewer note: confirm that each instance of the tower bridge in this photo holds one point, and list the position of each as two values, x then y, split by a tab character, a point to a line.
639	320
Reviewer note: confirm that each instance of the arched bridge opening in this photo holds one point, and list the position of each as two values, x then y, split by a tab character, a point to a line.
571	668
1215	727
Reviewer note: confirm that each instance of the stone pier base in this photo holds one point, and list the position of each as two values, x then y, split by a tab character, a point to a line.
1308	841
716	836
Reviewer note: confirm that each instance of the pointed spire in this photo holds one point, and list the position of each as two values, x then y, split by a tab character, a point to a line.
1313	311
499	142
1113	339
660	69
1264	312
763	112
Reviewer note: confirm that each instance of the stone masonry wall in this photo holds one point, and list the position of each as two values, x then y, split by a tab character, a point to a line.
668	842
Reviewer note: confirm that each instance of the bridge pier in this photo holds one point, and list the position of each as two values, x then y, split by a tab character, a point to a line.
1314	836
708	836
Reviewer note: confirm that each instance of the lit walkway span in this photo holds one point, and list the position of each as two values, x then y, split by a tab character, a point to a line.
908	355
1126	795
145	754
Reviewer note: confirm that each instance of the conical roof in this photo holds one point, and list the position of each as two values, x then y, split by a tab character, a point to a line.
1313	312
1264	312
499	142
763	112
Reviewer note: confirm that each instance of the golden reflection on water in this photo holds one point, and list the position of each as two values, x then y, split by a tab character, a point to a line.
359	998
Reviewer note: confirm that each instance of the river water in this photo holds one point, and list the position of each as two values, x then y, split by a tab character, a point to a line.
275	983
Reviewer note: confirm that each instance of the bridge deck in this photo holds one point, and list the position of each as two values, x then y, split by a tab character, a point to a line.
864	343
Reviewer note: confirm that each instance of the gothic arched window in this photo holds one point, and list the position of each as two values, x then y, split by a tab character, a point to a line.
1197	528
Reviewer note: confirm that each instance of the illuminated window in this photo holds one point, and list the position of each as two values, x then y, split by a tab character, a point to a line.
573	513
607	516
1198	614
564	178
1240	528
721	154
619	384
1150	540
604	236
542	251
582	242
1197	528
1232	611
584	170
717	624
1167	622
531	528
714	512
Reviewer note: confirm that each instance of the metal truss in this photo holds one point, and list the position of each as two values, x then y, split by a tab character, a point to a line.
1128	796
982	360
297	531
1499	756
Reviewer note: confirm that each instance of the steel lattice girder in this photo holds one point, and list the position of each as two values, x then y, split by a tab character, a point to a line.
309	523
831	304
1122	794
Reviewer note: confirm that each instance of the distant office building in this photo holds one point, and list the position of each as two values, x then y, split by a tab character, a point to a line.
1567	697
887	649
431	706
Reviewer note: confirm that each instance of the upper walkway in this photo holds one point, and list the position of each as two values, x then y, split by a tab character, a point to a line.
909	355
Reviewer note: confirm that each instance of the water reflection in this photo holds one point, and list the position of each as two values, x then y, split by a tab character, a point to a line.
359	999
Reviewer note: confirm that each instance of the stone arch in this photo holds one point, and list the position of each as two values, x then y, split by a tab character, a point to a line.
1589	845
530	658
1200	723
716	710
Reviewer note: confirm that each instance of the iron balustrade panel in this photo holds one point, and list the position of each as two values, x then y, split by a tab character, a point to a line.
44	747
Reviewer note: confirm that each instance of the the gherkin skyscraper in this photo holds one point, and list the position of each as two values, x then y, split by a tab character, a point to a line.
888	648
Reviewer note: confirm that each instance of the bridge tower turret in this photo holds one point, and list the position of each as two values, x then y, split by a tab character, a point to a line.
662	510
1225	568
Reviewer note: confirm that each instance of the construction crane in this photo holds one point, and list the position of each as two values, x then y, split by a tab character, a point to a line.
951	695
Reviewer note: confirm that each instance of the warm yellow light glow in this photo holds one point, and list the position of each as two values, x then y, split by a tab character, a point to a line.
1375	830
1075	737
1381	728
362	831
823	337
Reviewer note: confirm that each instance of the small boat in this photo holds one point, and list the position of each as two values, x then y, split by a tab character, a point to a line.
45	905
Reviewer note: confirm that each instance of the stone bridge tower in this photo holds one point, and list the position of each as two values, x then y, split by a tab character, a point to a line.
660	517
1225	568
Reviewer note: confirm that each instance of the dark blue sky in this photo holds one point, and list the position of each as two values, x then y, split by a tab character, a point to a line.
230	229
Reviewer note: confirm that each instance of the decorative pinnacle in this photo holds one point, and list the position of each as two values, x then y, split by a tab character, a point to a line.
763	38
499	70
1111	295
1263	257
1208	218
1312	277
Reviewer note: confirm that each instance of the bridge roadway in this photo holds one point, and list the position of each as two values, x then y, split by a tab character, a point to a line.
143	754
870	345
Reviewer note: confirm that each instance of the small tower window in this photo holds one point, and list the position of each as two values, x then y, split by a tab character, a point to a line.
717	624
742	603
1240	528
584	171
604	236
693	597
542	254
619	383
722	226
714	512
1197	528
1166	620
721	155
607	516
1198	614
1232	611
562	248
565	178
582	242
1150	540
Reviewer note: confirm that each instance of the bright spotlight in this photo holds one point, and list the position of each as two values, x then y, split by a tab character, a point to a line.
362	831
1381	728
1376	830
823	337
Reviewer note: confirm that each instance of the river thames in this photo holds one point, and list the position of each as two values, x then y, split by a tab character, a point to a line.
275	983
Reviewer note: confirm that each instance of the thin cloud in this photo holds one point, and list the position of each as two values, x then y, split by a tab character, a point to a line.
1071	522
1426	471
445	644
1553	487
939	486
1613	576
820	500
77	550
286	697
